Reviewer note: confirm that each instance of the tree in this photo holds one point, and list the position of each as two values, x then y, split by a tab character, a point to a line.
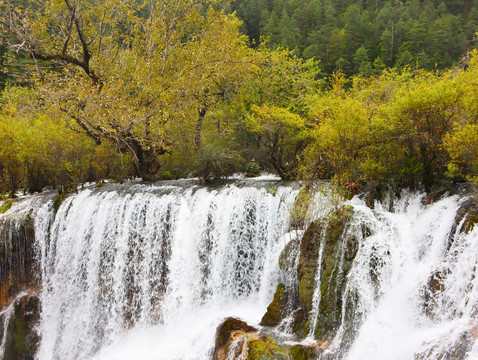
138	75
282	133
37	150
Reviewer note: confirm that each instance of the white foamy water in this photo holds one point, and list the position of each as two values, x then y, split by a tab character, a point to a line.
412	287
150	273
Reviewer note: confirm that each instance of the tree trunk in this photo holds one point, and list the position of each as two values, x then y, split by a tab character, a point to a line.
197	137
145	162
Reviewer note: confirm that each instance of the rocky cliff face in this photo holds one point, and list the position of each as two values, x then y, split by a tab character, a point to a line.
19	338
19	280
18	269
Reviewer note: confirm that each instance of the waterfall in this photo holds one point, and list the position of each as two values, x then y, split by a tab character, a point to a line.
412	290
149	271
314	313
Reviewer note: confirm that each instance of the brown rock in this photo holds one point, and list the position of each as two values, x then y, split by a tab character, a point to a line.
230	330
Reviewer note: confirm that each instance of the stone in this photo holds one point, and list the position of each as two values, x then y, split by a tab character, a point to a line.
22	339
277	309
230	330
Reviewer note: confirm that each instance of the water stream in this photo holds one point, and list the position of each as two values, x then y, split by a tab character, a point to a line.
149	271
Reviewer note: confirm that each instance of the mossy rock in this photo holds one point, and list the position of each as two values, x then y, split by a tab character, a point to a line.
332	280
288	255
470	222
265	349
22	339
431	291
7	204
309	253
300	352
19	268
468	214
58	200
277	308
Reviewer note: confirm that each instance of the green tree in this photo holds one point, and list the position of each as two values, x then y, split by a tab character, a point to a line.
282	133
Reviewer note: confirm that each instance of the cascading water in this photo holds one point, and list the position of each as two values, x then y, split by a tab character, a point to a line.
137	271
412	289
148	272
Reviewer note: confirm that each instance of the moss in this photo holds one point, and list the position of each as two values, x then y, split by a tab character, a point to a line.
300	321
299	352
275	310
27	315
470	222
309	252
288	255
332	282
7	204
58	200
265	349
164	175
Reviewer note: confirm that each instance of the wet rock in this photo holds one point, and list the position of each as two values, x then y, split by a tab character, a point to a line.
18	268
335	268
229	331
309	253
465	219
277	310
432	290
300	352
337	258
457	351
22	339
266	348
299	320
287	258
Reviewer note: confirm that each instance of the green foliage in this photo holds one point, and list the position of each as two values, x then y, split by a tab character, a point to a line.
253	169
282	133
215	161
362	38
136	76
58	200
39	150
117	90
6	205
165	175
405	127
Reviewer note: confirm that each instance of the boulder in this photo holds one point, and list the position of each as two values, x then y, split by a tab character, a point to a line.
229	331
277	310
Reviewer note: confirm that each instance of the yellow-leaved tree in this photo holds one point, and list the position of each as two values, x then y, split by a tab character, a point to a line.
141	74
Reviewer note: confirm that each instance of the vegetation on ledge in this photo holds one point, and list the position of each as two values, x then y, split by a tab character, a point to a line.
160	93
